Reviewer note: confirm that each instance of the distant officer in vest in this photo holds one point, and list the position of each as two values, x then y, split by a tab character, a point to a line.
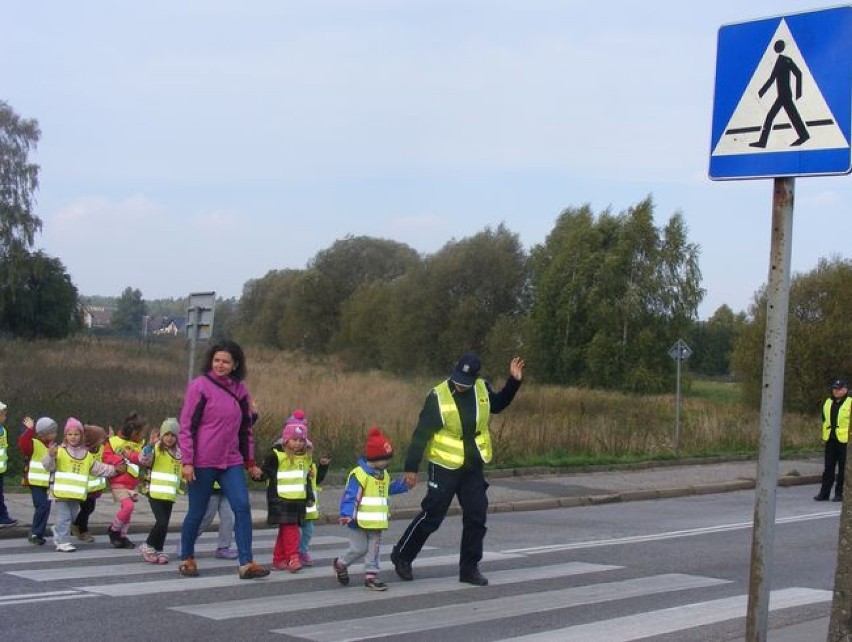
836	413
453	432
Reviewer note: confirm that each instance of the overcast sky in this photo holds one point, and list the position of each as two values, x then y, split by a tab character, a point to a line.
194	145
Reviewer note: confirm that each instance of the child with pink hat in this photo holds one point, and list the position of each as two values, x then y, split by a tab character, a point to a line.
289	492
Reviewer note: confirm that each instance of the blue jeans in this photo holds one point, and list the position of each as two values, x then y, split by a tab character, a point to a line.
42	510
307	535
234	488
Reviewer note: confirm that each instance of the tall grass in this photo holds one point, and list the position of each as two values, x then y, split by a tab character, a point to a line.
101	381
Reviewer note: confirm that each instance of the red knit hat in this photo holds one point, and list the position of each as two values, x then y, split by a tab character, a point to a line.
378	446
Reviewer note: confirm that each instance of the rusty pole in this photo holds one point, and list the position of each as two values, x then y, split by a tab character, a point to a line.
771	408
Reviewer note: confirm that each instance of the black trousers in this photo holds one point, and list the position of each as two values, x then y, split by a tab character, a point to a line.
87	507
162	510
835	456
469	485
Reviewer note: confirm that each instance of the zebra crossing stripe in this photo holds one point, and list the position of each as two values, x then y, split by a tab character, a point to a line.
185	584
399	624
340	596
49	596
671	620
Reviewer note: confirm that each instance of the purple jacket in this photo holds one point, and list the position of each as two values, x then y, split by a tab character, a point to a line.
210	422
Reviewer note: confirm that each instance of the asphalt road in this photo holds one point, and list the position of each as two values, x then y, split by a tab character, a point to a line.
663	570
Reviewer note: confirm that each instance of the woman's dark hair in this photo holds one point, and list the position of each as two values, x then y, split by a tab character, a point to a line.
236	352
132	423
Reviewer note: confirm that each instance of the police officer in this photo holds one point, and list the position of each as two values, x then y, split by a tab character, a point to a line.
453	432
836	414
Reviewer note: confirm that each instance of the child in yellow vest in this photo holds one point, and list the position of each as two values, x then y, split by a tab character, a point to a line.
71	464
162	456
319	469
290	492
94	438
364	509
33	444
125	446
5	519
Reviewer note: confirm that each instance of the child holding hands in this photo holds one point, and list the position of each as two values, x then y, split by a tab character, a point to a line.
289	492
125	446
364	509
33	444
162	455
71	464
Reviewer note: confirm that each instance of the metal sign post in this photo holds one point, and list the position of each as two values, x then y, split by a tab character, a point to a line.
679	352
782	109
199	323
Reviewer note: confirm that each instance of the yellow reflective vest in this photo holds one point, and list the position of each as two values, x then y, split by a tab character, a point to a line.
97	483
844	414
37	474
446	447
292	476
371	512
165	475
71	479
4	449
312	511
119	445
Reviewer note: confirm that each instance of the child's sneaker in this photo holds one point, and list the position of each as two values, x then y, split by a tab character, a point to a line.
340	571
372	583
295	564
36	539
149	554
7	521
226	553
281	565
66	547
306	559
125	543
162	558
85	536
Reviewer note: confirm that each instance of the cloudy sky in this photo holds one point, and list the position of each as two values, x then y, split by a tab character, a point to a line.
194	145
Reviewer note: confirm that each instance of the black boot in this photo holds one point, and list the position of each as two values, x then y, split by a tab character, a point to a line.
114	538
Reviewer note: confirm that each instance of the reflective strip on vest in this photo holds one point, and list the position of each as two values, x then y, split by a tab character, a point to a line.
37	474
71	479
312	512
97	483
372	512
446	448
844	416
4	454
292	476
165	476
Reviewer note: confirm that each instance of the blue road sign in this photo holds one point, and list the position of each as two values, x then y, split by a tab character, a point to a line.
783	97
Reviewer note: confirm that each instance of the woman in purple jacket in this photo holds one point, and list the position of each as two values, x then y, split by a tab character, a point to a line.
216	445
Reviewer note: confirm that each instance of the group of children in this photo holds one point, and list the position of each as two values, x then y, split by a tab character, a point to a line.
73	473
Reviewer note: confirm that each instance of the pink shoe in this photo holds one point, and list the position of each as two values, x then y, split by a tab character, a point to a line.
306	559
162	558
281	566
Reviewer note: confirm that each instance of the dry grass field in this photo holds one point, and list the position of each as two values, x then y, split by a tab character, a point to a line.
101	381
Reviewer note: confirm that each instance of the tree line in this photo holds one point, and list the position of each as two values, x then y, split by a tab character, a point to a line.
597	304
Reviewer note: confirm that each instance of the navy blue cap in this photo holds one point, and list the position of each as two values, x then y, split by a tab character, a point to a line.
466	370
839	383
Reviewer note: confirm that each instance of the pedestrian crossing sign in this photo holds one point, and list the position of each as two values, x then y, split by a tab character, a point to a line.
783	97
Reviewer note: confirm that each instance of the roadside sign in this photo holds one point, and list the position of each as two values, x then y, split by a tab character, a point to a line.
680	351
783	97
199	315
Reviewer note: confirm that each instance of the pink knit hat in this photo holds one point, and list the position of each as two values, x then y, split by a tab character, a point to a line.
296	426
73	424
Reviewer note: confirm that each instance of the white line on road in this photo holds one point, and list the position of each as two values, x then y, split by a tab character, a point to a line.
399	624
692	532
356	595
679	618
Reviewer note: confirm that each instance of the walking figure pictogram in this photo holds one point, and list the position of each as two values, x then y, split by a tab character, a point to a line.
781	75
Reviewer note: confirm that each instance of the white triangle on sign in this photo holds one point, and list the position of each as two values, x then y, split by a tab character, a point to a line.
743	133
